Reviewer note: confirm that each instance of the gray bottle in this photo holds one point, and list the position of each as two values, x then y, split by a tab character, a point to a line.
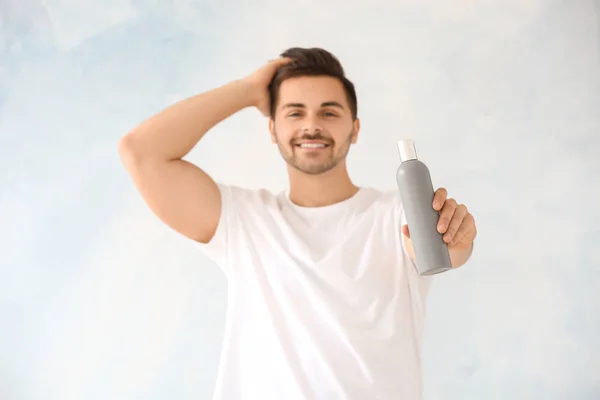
416	190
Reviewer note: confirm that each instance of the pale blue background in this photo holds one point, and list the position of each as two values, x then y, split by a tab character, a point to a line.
99	300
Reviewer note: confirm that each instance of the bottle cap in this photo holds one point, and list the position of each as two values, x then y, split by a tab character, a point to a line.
407	150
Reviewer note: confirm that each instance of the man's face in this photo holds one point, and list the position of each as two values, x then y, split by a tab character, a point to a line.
313	124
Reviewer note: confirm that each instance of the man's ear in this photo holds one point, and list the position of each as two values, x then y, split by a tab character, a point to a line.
356	126
272	130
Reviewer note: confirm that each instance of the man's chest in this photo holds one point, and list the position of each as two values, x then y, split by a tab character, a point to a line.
348	261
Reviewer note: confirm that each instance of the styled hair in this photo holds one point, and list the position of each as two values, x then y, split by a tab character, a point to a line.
311	62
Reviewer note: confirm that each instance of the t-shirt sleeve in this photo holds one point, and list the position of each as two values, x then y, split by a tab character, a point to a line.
217	248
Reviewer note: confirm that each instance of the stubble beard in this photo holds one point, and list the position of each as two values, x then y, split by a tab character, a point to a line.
291	155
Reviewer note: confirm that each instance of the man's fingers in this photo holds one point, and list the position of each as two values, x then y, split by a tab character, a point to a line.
446	214
439	198
279	62
467	230
455	223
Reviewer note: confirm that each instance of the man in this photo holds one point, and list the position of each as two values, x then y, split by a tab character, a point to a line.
325	301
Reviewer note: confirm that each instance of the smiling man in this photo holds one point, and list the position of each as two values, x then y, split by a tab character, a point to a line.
325	301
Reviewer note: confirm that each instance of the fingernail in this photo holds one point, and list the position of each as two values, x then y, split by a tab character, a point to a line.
441	228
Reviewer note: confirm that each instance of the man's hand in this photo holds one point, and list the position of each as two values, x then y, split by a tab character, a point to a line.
259	82
455	223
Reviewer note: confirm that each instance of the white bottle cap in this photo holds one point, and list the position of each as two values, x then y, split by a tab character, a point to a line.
407	150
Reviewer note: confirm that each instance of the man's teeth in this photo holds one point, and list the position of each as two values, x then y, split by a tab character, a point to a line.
312	145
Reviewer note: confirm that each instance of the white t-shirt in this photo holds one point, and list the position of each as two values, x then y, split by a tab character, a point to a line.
323	302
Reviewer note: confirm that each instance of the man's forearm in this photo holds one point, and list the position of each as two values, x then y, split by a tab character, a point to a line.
173	133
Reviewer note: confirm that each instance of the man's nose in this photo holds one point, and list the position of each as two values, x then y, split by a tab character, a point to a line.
311	126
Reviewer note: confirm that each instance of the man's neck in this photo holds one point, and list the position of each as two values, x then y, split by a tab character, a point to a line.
321	190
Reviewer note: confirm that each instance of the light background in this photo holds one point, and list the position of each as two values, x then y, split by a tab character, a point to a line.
99	300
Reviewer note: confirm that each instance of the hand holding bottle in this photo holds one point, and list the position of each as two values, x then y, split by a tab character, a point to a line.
455	222
441	231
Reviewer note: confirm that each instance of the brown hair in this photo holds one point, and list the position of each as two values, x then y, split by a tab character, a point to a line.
311	62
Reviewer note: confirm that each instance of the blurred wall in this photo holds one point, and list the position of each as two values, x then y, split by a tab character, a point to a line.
99	300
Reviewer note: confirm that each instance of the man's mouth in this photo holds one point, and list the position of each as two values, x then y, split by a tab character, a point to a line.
312	145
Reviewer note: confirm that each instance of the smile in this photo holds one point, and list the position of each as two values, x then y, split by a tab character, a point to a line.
312	145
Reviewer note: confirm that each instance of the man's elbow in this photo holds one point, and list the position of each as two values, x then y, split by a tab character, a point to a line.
131	151
127	147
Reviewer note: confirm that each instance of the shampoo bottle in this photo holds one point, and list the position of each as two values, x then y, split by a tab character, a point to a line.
416	190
